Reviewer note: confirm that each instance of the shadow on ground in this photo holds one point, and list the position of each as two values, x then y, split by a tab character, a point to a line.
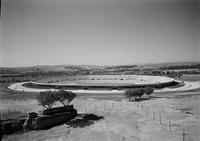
83	120
145	98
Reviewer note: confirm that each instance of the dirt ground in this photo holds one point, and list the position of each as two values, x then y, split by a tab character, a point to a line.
133	121
147	120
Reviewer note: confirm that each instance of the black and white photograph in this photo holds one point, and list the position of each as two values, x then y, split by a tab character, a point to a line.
100	70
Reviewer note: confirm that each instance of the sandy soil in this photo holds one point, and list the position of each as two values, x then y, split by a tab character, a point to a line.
128	121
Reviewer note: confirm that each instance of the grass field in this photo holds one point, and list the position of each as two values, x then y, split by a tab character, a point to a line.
118	123
128	122
107	79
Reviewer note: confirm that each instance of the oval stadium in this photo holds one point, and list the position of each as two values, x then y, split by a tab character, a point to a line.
103	82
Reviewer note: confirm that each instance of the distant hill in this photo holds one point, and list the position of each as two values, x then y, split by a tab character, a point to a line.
158	65
47	68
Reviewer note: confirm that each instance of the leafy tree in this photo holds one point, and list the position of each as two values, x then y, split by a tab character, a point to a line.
134	93
140	92
46	99
65	97
148	91
128	94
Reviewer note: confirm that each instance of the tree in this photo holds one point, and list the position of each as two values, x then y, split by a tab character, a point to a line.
65	97
128	94
46	99
134	93
148	91
179	75
140	92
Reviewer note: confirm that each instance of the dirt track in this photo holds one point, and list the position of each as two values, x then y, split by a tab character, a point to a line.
186	87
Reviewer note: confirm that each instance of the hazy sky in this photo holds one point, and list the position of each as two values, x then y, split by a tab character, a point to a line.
99	32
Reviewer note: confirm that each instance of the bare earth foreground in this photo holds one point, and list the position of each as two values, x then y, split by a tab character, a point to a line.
147	120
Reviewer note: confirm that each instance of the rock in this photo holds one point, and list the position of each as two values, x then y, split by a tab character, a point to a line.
28	122
57	110
48	121
11	126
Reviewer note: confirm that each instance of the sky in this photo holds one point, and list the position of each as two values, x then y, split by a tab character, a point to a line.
99	32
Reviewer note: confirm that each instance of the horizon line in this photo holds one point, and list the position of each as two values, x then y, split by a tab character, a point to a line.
42	65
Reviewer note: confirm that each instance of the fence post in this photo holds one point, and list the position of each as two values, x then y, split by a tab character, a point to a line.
170	126
32	136
15	137
120	104
153	115
183	134
85	108
147	111
95	108
1	116
142	107
112	105
160	118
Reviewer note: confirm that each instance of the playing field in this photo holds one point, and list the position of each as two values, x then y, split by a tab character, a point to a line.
106	80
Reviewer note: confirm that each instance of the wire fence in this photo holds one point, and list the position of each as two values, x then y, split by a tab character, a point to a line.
158	118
